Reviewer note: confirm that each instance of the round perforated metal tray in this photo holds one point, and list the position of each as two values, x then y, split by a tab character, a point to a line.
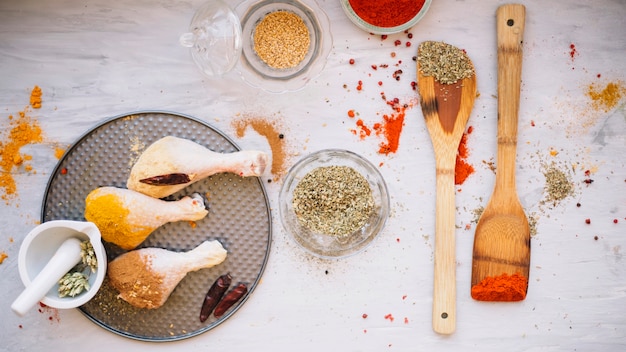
239	217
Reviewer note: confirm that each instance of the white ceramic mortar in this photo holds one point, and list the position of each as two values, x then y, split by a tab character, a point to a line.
50	249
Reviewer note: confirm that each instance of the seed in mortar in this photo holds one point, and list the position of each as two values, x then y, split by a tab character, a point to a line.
333	200
281	39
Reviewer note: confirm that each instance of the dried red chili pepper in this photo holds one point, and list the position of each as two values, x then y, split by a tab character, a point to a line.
166	180
214	295
230	299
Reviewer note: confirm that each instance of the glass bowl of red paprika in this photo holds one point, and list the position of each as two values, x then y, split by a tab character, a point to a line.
334	203
385	16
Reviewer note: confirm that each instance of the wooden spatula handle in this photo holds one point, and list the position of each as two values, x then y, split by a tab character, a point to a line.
444	282
510	22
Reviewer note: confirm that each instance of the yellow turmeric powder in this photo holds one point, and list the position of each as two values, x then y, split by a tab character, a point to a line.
608	97
58	152
35	97
110	215
22	131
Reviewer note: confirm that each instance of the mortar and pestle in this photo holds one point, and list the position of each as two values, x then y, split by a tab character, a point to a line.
48	252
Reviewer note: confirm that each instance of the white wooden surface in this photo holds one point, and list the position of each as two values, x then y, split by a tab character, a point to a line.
97	59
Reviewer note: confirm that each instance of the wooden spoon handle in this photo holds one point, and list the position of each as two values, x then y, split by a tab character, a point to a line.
510	21
444	283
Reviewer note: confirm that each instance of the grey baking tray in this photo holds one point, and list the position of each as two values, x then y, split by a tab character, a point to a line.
239	217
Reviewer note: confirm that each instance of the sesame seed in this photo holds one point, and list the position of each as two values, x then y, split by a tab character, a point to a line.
281	39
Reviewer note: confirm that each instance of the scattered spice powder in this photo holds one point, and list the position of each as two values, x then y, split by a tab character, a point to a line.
478	212
572	51
605	99
362	130
3	256
503	288
53	312
269	130
281	39
23	130
333	200
391	128
463	169
35	97
532	223
58	152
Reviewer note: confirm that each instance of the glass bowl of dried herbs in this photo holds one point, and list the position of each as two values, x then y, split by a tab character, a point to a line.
334	203
385	16
285	43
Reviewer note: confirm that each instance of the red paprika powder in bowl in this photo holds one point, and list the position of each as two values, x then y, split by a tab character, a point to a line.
385	16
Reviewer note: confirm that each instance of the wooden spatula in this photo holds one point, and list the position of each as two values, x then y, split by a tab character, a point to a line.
502	242
446	109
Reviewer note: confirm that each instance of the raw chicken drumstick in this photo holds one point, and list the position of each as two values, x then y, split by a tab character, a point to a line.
126	218
146	277
171	163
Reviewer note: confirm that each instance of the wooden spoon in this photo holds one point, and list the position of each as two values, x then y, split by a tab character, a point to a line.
502	240
446	109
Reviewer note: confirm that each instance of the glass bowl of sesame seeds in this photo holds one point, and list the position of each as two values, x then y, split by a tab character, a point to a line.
333	203
285	43
385	16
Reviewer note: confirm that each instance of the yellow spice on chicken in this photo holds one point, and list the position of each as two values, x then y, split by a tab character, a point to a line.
126	218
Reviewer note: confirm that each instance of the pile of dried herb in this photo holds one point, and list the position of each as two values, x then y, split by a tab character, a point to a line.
333	200
444	62
558	185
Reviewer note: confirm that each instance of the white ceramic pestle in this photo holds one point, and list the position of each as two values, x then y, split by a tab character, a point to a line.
47	253
63	260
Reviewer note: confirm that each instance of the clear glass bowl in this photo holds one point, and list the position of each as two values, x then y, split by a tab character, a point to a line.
259	74
359	22
324	245
214	38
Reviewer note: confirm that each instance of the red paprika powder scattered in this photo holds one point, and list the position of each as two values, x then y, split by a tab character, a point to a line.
463	169
391	128
363	131
503	288
386	13
572	51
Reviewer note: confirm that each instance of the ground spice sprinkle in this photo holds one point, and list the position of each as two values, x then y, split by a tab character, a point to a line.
21	131
281	39
558	186
333	200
